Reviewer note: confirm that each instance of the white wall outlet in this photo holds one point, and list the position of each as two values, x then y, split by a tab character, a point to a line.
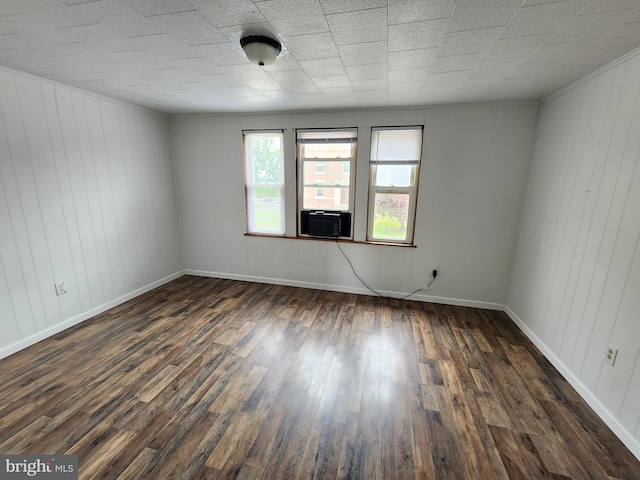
611	355
61	288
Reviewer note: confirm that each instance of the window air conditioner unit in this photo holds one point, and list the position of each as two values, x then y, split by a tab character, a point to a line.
326	224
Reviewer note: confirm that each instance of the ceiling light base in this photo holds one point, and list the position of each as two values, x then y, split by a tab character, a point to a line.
260	50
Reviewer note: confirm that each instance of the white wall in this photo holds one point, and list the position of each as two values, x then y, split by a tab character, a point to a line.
472	184
576	282
87	197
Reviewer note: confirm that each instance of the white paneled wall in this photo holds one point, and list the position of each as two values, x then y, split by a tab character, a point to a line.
576	282
87	198
472	182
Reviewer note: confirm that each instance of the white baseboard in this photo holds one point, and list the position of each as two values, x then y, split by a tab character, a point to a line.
38	336
612	422
345	289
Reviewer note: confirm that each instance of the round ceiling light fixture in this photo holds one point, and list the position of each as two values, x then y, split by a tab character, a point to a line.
260	50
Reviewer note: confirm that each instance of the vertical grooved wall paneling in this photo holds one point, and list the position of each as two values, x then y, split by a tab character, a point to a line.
576	281
87	197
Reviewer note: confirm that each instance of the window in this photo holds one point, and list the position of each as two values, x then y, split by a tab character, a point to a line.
393	183
330	154
264	181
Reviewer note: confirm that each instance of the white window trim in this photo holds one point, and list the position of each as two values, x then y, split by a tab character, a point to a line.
411	190
301	160
250	185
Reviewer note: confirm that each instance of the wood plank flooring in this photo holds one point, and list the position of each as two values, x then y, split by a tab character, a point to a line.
207	378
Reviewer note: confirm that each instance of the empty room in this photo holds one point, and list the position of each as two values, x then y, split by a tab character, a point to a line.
295	239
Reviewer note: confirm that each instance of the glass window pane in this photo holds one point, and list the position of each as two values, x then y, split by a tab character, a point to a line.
393	175
264	178
391	213
266	209
331	198
330	172
266	155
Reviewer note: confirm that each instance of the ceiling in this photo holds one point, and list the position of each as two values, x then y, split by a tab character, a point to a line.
183	56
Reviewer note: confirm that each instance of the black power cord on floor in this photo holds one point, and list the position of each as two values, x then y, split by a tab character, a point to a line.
434	274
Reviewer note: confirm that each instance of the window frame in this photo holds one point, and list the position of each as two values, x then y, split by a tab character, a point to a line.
250	185
326	161
411	189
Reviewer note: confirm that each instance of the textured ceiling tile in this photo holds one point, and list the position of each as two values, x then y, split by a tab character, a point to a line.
405	87
235	32
412	36
599	6
224	13
155	41
596	57
544	18
220	54
298	89
529	3
331	81
284	62
294	17
15	24
481	81
119	17
359	26
178	59
407	11
472	41
450	78
557	52
435	94
340	6
191	27
338	91
264	84
477	94
533	71
193	64
363	53
367	72
472	14
412	59
592	27
454	63
514	47
496	67
369	84
627	35
413	75
312	46
291	77
53	14
322	67
247	72
379	95
403	98
344	102
225	80
560	77
159	7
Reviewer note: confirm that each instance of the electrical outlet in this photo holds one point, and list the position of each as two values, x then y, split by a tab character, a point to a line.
61	288
611	355
436	268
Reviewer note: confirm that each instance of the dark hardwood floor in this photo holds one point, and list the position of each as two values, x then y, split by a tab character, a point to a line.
206	378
